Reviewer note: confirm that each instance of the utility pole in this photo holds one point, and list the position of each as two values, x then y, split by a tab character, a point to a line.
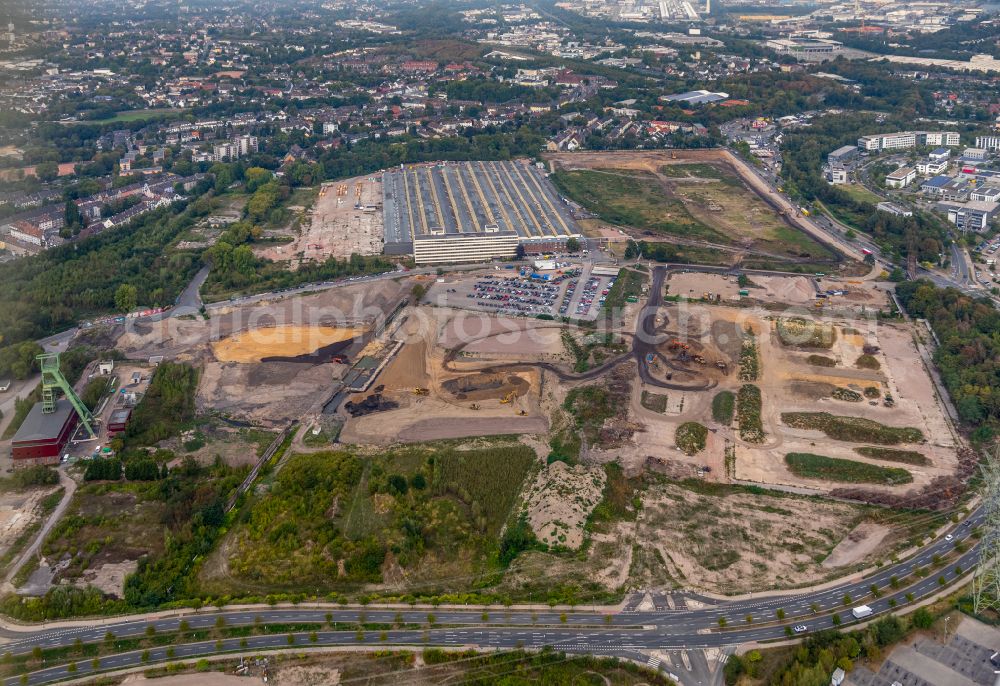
986	581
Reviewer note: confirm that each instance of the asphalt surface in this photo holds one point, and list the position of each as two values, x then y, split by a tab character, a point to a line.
624	632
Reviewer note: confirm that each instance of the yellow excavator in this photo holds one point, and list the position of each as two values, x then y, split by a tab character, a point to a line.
509	398
474	406
421	391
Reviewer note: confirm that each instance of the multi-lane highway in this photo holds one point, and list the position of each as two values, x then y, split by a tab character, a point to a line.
623	631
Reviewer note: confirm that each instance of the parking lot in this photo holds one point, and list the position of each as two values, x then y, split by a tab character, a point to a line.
585	296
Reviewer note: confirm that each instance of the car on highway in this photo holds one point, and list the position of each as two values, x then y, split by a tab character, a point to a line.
800	628
948	537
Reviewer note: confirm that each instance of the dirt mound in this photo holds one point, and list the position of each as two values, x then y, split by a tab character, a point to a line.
486	386
281	343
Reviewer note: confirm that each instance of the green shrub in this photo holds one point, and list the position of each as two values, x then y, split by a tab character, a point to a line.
812	466
893	455
868	362
821	361
797	332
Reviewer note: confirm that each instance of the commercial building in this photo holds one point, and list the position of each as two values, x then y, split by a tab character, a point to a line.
931	167
985	194
842	155
939	154
903	140
119	420
972	216
472	212
901	178
975	154
699	97
894	209
42	435
804	46
988	142
467	247
838	175
945	188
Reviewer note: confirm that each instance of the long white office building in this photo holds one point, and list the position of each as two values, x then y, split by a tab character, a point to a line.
988	143
451	248
903	140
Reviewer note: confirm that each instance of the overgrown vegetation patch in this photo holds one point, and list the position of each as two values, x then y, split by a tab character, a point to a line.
334	520
853	429
893	455
847	395
748	409
867	361
797	332
749	358
821	361
812	466
656	402
691	437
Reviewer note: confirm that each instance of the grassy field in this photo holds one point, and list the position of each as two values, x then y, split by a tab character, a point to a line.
632	198
812	466
336	520
657	402
629	283
723	407
853	429
860	193
893	455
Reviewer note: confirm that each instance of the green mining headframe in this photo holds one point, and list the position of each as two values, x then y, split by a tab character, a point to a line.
53	379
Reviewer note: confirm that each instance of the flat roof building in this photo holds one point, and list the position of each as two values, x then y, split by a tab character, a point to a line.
472	211
42	435
900	178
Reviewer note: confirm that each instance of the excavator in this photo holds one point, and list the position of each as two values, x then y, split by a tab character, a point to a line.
509	398
474	406
522	413
421	391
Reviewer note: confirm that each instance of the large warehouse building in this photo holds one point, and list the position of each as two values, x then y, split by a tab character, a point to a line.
42	435
472	212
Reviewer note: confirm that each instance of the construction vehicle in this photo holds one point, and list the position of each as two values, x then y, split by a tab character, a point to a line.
421	391
723	366
698	358
338	359
474	406
509	398
522	413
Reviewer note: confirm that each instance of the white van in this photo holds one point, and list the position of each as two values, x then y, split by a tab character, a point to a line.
862	611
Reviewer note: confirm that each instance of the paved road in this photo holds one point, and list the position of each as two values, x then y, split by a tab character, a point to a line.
625	632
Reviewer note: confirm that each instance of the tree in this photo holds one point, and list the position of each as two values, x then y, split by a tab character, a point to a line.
126	297
72	214
47	171
572	245
922	618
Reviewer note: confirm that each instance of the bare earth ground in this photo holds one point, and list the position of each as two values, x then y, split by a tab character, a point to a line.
199	679
441	413
17	513
560	500
863	540
733	543
271	392
279	341
335	228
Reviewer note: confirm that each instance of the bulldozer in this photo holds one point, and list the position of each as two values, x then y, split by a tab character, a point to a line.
509	398
421	391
